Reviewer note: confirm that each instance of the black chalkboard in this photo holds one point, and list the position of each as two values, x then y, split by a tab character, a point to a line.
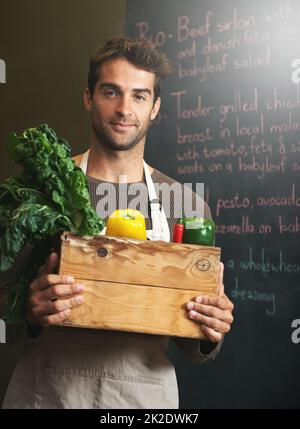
231	118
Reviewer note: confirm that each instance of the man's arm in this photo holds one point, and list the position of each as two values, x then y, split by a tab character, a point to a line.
198	351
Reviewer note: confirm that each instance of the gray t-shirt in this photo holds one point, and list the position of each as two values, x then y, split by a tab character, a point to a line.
175	197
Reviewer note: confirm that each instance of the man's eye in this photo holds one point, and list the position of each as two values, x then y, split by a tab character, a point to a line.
110	93
140	97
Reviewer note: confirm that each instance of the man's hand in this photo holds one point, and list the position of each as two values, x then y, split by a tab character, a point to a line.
51	296
214	314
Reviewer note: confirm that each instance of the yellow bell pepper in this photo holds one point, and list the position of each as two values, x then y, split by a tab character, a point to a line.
127	223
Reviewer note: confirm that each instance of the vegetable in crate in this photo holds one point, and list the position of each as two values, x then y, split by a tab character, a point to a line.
199	231
127	223
49	196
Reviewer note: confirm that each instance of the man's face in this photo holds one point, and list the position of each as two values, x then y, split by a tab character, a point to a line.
122	104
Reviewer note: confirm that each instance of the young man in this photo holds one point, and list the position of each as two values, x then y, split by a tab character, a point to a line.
80	368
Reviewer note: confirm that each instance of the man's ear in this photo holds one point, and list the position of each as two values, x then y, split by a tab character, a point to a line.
155	109
87	99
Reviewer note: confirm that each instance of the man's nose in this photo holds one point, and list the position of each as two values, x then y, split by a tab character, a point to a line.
124	106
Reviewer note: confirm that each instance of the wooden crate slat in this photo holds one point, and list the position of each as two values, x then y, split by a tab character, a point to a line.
134	308
150	263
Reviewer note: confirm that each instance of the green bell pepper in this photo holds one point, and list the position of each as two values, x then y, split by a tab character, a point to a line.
199	231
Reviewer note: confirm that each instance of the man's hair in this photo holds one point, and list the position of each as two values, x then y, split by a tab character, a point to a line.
138	52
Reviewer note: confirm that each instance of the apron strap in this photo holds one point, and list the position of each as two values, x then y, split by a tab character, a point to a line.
160	227
84	161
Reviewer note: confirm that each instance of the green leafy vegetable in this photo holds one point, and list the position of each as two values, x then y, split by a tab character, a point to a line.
48	197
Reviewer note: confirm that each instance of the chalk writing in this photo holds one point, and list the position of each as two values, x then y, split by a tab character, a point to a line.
185	30
256	296
291	199
200	111
232	203
281	13
268	265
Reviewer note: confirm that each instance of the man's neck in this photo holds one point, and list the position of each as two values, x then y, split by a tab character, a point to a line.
116	167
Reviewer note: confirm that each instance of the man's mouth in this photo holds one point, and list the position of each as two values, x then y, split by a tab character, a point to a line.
122	125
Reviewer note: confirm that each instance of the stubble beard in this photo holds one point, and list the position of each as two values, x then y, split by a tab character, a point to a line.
106	138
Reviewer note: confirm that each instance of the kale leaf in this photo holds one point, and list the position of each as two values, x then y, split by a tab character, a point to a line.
49	196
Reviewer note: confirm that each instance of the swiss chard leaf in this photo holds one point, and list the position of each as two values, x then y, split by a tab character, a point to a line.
49	196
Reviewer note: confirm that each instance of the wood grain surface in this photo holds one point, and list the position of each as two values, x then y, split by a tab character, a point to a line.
138	286
158	263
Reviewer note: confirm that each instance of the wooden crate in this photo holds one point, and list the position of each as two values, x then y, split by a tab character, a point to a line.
138	286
